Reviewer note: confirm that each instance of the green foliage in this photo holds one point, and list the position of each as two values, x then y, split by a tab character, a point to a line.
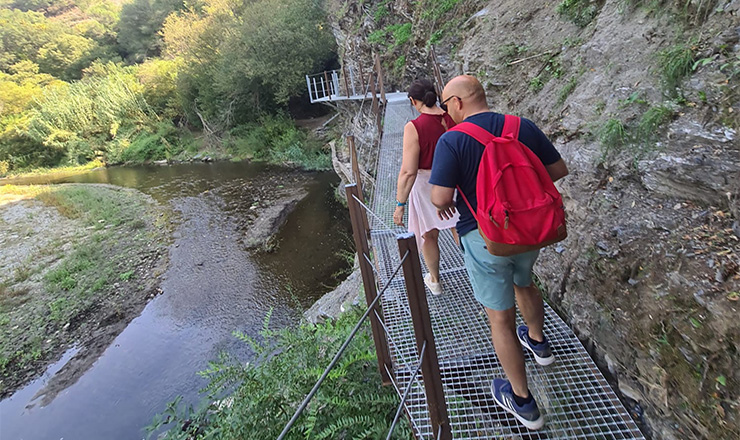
276	139
434	9
639	139
351	403
22	34
401	34
393	35
381	11
377	37
612	136
652	120
140	24
580	12
510	51
241	60
675	63
436	36
567	90
536	84
160	143
554	68
57	48
81	118
159	80
399	65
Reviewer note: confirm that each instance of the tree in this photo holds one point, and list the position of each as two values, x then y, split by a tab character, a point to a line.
139	26
283	41
66	55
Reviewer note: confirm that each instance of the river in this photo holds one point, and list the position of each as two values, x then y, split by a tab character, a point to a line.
213	287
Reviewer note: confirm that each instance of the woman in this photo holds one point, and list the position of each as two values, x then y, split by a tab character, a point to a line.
419	140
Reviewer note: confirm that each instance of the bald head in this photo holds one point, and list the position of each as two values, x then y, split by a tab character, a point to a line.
467	86
466	97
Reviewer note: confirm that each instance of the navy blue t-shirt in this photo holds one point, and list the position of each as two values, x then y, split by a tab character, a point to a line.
458	155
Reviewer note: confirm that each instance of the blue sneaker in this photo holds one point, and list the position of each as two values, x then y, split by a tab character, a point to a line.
528	414
542	353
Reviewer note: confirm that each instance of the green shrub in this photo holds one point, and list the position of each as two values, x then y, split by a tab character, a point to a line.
675	63
639	139
381	11
399	64
567	90
436	36
147	146
401	34
536	84
276	139
377	37
434	9
652	120
351	403
612	136
580	12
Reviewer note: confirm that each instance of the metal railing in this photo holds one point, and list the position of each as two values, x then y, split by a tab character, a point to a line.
427	363
348	82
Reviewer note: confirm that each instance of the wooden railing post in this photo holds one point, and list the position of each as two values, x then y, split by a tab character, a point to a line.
440	85
373	91
346	85
379	72
362	80
356	213
358	177
423	331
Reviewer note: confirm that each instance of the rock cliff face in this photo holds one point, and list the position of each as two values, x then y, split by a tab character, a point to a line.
641	99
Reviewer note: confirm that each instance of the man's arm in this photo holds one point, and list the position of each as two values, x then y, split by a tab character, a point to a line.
557	170
443	198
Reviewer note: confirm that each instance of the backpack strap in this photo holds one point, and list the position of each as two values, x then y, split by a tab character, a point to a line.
481	135
511	127
477	132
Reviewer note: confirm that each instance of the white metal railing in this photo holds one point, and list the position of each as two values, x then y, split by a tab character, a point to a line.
338	84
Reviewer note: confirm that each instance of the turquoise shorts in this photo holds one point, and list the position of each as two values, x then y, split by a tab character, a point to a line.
493	278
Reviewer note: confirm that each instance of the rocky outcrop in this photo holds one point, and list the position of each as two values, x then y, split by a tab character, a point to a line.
270	219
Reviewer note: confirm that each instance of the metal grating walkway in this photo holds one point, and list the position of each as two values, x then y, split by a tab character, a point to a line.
577	401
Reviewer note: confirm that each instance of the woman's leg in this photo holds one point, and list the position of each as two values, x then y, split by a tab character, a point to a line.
430	250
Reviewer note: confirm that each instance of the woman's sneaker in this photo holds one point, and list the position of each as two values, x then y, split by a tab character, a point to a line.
435	288
542	353
528	414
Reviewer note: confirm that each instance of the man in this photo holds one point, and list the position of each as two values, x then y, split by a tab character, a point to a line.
496	281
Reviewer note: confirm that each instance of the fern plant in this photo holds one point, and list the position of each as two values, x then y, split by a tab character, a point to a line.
257	399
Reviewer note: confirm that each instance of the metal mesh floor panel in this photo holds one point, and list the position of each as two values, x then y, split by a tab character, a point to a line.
572	393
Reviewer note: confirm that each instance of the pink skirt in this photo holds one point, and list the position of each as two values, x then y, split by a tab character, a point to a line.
422	214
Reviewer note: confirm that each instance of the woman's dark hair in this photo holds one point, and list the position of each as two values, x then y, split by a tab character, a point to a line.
423	90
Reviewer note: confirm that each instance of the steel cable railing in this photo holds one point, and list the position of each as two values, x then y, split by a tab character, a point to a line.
408	389
373	214
334	361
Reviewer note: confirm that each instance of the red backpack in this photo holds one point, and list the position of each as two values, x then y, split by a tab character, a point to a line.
519	208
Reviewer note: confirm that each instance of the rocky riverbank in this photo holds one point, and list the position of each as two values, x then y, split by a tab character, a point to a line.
78	262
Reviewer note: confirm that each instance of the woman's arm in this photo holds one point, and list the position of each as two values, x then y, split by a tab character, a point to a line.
409	168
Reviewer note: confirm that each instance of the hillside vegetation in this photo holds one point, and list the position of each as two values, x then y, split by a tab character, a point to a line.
152	79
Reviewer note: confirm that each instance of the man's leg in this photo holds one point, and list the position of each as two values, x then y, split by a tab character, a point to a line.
430	250
531	305
508	349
